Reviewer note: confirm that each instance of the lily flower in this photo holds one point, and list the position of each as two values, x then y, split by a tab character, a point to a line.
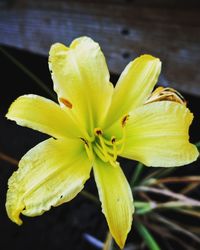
92	125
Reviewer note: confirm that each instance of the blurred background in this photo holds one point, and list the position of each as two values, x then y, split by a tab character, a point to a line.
124	29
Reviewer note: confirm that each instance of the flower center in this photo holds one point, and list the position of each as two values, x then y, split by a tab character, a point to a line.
105	149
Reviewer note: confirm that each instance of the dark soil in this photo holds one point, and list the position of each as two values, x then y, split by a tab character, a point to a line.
64	227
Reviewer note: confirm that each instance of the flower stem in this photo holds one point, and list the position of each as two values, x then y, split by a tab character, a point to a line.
28	73
147	236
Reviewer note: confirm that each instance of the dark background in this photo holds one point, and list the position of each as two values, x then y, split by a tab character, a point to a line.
62	227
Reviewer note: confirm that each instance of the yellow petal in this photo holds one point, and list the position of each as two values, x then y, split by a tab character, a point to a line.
44	115
50	174
116	198
80	76
134	86
157	135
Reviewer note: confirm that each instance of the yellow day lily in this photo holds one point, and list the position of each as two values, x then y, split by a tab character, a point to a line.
92	125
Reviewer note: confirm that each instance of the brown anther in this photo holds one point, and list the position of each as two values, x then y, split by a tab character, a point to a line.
113	139
65	102
98	131
124	120
85	141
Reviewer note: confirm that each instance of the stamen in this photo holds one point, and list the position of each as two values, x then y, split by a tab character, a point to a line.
114	151
107	150
89	152
88	148
99	153
99	148
121	142
113	163
108	142
103	147
166	94
105	153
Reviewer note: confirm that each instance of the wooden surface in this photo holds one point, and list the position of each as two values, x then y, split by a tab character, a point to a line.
124	29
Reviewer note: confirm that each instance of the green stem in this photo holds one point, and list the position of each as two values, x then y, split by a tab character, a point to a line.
147	236
28	73
136	175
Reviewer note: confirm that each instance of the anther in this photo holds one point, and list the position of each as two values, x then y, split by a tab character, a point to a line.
124	120
67	103
85	141
98	131
113	140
